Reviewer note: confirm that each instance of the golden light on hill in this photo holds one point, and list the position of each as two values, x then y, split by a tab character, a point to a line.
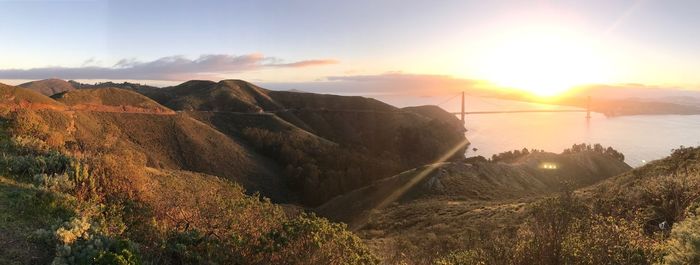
543	61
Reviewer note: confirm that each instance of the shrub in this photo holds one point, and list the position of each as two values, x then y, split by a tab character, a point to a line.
465	257
541	239
608	240
308	239
27	122
563	230
683	246
666	198
78	242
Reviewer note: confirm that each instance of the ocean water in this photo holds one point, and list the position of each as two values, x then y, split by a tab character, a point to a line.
641	138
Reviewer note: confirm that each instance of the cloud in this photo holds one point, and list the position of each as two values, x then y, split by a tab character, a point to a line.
415	83
387	84
307	63
174	68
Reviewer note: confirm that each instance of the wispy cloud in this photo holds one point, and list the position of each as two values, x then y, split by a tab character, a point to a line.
387	84
173	68
307	63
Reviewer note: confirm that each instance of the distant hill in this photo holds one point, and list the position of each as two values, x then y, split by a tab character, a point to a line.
111	99
49	87
16	97
379	140
286	145
110	84
227	95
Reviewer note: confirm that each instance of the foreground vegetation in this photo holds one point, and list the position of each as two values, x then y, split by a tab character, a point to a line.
76	206
647	216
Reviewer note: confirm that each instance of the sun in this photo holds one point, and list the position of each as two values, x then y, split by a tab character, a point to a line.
543	62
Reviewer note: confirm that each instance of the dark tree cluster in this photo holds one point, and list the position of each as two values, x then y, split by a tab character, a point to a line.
598	148
511	156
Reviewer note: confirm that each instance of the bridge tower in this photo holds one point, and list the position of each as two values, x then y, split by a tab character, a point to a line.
588	108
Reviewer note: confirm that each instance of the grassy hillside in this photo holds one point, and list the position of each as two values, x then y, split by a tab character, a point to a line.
49	87
109	99
90	198
288	150
641	216
14	97
408	135
326	144
459	183
227	95
170	142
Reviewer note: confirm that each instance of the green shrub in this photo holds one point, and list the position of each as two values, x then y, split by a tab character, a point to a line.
666	198
308	239
465	257
608	240
683	246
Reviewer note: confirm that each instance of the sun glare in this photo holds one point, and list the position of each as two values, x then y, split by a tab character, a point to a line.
543	62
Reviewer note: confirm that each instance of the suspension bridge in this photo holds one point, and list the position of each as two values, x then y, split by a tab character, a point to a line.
463	112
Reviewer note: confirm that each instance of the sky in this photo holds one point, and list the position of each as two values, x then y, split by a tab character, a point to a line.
541	46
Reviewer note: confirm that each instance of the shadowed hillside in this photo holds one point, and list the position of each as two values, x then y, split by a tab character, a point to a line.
227	95
469	183
498	213
326	144
287	149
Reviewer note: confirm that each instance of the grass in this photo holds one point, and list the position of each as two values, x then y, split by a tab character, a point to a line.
23	210
109	97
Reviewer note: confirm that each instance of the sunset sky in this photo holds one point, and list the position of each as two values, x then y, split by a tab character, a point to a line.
542	46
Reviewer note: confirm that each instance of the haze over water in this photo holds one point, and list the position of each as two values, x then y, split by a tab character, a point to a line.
641	138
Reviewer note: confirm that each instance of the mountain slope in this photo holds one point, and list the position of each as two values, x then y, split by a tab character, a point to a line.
225	96
49	87
471	182
110	99
309	135
19	98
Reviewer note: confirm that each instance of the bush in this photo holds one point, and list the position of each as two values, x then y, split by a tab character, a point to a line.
563	230
608	240
666	198
466	257
542	238
308	239
77	242
683	246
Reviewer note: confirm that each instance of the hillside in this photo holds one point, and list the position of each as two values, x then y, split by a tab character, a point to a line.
223	96
102	185
507	213
169	142
49	87
326	144
459	183
110	99
337	151
115	174
15	97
